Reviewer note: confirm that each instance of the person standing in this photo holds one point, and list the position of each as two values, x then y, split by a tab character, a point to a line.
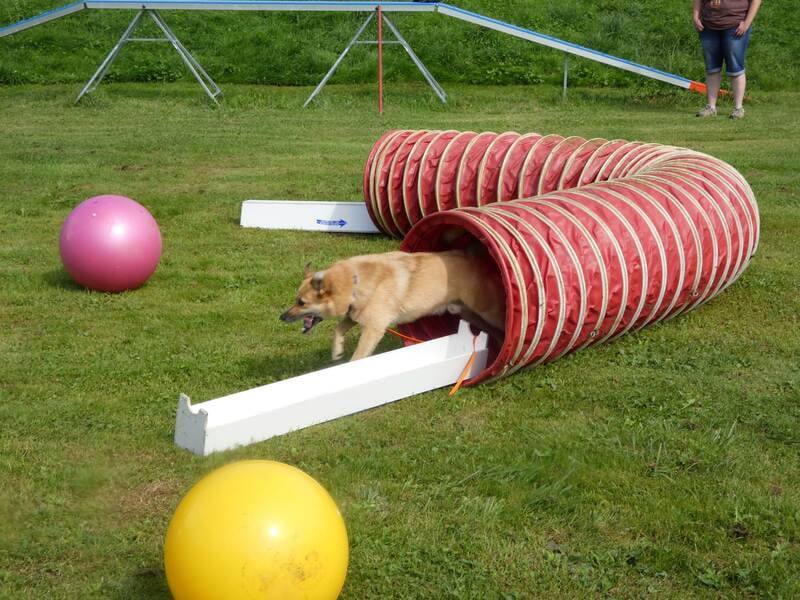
724	28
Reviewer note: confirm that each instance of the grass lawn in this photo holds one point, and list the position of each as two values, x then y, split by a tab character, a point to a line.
665	464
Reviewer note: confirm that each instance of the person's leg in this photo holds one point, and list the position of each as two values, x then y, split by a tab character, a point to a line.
734	50
713	83
711	42
738	83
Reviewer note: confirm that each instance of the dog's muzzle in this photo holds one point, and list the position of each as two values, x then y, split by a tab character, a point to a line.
309	320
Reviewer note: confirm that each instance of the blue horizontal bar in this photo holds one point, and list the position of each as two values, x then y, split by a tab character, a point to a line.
33	21
255	4
264	3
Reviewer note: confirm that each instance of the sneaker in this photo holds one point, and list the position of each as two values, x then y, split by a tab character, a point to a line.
708	111
737	113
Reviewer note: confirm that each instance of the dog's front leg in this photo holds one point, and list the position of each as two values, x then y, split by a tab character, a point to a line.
341	330
366	343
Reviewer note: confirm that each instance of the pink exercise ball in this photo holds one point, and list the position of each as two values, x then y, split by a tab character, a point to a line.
110	244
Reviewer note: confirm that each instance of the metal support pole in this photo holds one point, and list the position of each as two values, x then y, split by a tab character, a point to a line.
339	60
380	59
566	72
204	79
438	90
106	64
209	86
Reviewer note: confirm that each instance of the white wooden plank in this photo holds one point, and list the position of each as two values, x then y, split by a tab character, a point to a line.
278	408
307	215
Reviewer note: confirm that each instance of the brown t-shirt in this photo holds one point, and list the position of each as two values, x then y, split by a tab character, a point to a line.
723	14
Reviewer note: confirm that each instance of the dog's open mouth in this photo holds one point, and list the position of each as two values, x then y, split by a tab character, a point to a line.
309	321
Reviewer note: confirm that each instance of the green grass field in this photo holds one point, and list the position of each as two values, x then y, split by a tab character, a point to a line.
297	48
663	465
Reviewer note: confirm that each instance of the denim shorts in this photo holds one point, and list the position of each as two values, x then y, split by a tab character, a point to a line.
721	44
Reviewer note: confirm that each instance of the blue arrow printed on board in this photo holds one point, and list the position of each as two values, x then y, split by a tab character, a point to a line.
340	222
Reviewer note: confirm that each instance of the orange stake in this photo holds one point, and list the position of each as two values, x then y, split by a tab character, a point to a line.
701	88
467	368
380	60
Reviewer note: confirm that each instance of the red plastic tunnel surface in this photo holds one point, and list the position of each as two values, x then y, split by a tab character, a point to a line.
591	238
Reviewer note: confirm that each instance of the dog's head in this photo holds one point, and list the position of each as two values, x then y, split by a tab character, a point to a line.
314	300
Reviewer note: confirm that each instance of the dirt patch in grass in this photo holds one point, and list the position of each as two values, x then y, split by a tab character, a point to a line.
155	497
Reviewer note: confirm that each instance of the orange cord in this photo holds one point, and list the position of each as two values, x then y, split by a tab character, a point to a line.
403	336
467	368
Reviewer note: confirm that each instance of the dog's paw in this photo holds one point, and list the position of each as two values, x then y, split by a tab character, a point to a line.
455	308
337	354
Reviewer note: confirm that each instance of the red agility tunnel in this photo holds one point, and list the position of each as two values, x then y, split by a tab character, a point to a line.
616	235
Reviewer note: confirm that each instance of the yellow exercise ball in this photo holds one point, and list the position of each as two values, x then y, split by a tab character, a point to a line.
256	529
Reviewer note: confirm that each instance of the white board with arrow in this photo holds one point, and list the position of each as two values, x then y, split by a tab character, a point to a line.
307	215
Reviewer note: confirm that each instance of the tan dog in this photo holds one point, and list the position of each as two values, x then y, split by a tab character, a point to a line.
378	290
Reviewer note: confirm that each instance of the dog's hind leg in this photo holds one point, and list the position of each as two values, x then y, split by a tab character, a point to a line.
368	341
341	330
476	320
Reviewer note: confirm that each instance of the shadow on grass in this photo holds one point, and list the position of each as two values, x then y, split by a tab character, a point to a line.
356	237
656	97
144	584
59	278
304	358
180	92
276	367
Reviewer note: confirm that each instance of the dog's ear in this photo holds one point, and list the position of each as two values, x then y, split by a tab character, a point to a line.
318	281
308	271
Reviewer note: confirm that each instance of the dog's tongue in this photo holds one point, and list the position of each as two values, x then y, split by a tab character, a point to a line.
309	321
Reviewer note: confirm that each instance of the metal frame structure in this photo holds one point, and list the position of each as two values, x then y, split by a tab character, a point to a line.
211	89
399	39
566	47
361	6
